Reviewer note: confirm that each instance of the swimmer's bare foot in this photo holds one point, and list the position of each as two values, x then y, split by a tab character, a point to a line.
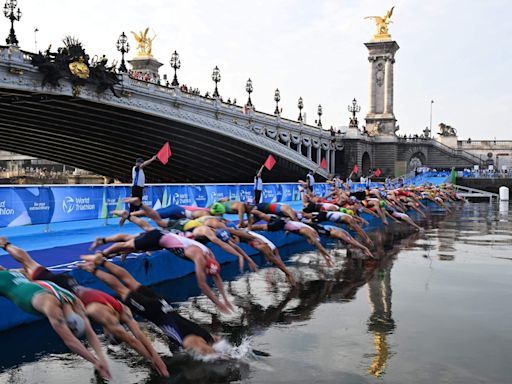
123	214
87	266
96	243
96	259
3	242
133	201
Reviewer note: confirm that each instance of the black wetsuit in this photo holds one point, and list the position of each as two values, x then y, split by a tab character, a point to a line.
149	241
320	228
359	195
320	216
146	303
275	224
312	207
61	279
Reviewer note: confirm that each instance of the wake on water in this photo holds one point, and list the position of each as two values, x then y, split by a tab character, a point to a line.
224	350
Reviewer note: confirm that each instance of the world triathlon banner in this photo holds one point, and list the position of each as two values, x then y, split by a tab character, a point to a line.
47	204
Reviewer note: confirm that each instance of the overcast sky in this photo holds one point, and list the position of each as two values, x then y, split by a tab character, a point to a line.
457	53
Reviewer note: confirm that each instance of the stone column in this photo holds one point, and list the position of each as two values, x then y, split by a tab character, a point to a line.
371	89
309	152
388	86
328	159
333	161
380	119
319	154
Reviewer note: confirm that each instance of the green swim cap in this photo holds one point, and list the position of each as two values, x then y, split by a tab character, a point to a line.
350	212
343	210
217	209
382	203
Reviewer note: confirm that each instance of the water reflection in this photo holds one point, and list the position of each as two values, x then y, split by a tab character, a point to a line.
396	340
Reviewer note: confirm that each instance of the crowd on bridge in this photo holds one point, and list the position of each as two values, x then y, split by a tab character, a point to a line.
189	233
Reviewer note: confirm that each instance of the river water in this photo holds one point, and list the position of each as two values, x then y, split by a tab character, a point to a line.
435	308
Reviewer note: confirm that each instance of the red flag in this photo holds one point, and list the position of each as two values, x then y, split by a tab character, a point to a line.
323	164
164	153
270	162
377	172
356	169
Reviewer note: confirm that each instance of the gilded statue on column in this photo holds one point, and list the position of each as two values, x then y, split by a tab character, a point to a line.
382	25
145	43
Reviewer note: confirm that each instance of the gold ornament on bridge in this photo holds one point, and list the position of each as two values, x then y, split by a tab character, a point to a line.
145	46
382	25
79	68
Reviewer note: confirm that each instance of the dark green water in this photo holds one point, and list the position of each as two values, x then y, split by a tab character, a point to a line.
435	308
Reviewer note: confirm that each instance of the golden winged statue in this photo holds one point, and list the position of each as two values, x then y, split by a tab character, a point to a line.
382	25
145	44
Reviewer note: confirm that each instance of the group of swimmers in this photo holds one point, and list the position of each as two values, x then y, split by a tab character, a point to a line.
188	232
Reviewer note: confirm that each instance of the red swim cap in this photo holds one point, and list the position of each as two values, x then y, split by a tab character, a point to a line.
212	267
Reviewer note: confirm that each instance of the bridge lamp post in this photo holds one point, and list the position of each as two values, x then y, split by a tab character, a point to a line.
123	46
319	111
277	99
216	79
430	126
175	64
353	109
300	105
248	88
9	7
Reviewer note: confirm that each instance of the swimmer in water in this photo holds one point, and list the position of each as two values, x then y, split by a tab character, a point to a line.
62	309
99	306
155	239
198	231
275	223
144	302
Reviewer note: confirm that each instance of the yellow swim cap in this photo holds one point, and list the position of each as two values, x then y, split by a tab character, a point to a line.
191	225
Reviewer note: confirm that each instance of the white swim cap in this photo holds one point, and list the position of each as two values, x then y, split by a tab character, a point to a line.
75	323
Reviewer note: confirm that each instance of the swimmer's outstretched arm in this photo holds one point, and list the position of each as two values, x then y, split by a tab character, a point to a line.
56	318
150	353
78	308
252	265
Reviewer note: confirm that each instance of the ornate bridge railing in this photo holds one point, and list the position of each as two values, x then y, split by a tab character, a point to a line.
286	138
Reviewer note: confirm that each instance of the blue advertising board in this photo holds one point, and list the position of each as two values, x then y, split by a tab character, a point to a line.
52	204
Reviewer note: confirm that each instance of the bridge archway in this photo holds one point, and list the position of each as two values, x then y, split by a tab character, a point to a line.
416	160
366	163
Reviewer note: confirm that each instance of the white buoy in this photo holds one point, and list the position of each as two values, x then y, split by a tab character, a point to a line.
504	194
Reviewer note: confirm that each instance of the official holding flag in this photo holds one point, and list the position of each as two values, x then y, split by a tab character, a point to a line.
258	181
139	179
258	186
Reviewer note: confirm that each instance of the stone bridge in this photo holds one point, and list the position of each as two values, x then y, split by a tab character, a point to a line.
491	152
211	141
396	156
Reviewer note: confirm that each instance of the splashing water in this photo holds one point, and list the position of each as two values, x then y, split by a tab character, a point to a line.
224	350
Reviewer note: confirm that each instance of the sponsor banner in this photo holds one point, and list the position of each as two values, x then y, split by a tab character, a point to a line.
179	195
77	203
113	199
269	193
289	192
246	193
12	209
45	205
199	195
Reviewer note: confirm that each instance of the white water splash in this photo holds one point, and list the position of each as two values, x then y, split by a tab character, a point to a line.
226	351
